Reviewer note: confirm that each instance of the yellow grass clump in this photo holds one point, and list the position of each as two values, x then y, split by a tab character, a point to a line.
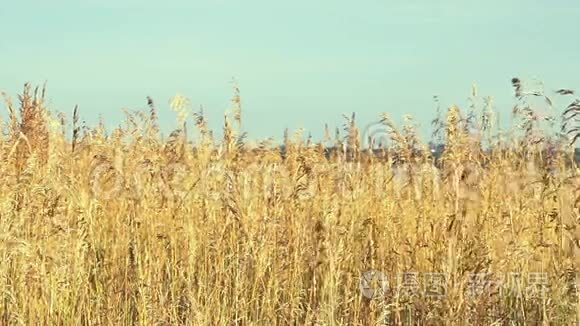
128	228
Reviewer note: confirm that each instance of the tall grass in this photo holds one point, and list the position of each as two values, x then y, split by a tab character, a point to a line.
127	228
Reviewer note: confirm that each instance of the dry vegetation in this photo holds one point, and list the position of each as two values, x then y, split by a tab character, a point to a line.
129	228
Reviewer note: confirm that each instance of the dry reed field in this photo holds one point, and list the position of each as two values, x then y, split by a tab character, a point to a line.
129	228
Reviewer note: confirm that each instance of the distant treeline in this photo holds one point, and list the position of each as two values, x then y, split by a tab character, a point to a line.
436	152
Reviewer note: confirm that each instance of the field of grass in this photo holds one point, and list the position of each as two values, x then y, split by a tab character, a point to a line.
127	228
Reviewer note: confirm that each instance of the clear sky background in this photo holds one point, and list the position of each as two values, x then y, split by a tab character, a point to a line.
299	63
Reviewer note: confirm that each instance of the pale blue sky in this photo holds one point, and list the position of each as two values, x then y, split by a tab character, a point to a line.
299	63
